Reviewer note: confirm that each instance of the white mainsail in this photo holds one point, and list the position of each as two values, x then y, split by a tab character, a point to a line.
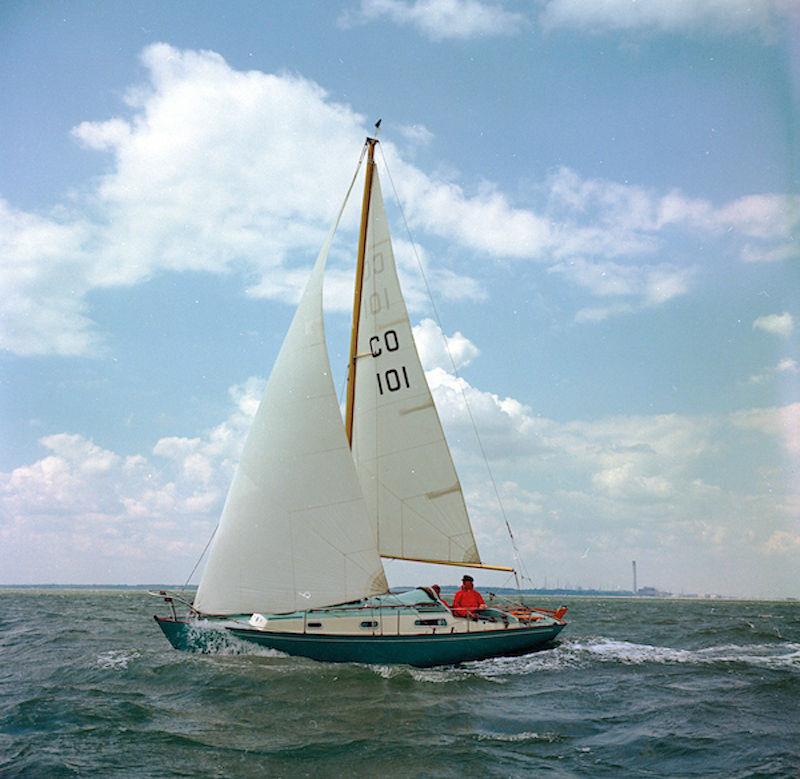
404	465
295	532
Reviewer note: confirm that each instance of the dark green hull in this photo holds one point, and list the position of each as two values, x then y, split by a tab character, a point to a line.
420	651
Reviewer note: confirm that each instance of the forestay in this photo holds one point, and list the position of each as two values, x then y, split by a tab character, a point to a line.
294	532
406	471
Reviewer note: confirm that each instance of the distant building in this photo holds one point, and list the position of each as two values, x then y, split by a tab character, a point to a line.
652	592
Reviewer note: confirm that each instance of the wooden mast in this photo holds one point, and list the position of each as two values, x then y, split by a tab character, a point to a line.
351	366
362	250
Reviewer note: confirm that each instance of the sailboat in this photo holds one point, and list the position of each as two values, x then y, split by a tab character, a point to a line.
317	501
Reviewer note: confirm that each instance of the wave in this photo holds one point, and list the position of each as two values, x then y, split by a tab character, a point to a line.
744	629
116	659
220	642
444	675
585	653
576	653
549	738
785	655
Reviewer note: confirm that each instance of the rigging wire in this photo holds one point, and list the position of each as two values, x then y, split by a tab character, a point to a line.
342	387
524	572
330	238
202	554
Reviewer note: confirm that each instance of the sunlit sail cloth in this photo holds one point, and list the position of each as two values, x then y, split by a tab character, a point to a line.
294	533
406	471
297	533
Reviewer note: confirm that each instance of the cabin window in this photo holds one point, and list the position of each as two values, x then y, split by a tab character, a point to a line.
431	622
314	624
369	623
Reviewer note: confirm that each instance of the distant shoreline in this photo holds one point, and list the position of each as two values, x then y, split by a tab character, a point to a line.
445	588
98	586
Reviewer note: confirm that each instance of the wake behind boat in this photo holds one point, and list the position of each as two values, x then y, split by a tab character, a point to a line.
315	503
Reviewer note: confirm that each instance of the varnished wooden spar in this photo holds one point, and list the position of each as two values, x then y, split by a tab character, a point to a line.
362	250
352	363
451	562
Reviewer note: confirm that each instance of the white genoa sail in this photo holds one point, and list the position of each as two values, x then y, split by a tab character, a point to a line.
294	532
403	461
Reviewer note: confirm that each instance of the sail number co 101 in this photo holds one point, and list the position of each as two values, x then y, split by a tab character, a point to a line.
393	379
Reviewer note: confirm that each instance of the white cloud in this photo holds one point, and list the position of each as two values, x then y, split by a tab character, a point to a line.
582	217
442	19
41	283
785	367
601	313
649	285
599	226
636	214
598	491
592	490
252	181
463	19
664	282
777	324
781	422
437	350
621	481
760	216
783	542
416	133
673	16
757	253
618	449
220	171
484	222
414	268
102	135
89	514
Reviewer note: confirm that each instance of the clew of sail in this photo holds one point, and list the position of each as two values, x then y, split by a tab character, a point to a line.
295	532
406	471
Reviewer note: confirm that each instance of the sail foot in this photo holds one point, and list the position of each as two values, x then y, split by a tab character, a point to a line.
484	566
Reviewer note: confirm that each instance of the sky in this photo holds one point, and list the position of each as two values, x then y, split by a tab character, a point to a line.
605	200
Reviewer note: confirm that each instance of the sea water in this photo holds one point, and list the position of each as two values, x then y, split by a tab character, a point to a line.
90	687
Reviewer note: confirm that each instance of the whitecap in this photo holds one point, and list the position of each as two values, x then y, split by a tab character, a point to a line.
774	656
582	653
518	737
784	655
221	642
556	659
441	675
606	649
116	659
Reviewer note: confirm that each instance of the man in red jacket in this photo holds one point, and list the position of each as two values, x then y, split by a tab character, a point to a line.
467	599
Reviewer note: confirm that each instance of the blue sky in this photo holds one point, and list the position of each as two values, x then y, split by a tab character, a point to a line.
604	196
